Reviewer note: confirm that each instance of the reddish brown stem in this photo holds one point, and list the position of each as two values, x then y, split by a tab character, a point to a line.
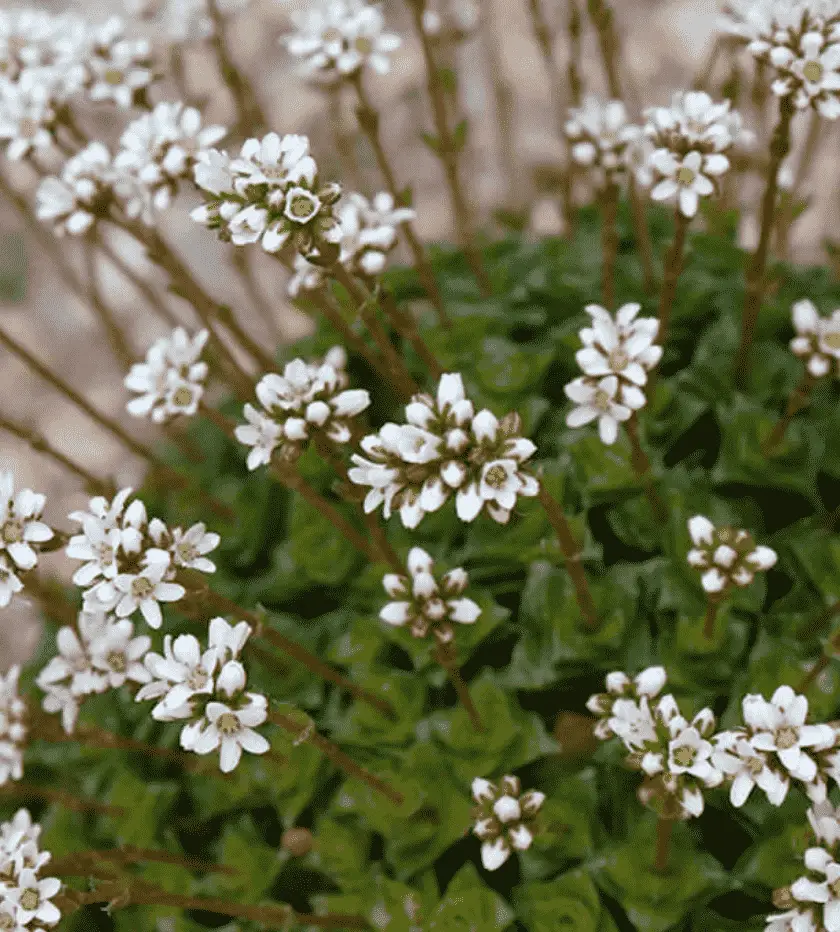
673	267
445	655
61	797
404	323
712	606
664	830
642	234
78	863
334	754
573	557
797	401
644	471
757	271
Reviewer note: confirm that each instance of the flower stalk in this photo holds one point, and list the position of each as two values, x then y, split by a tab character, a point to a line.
712	606
572	555
80	862
446	656
641	231
757	270
797	401
664	831
644	470
603	20
447	149
60	797
673	267
369	122
609	243
405	324
333	753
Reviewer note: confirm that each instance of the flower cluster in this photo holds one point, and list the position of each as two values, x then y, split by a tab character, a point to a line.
130	563
12	727
368	234
601	138
689	141
159	150
171	380
83	193
445	448
674	754
801	41
336	39
99	653
618	352
206	691
776	745
21	533
25	894
817	339
504	818
269	195
727	557
428	601
307	399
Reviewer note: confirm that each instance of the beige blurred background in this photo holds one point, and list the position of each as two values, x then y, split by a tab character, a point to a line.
664	42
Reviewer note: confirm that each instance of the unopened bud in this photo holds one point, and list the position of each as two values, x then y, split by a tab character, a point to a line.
297	841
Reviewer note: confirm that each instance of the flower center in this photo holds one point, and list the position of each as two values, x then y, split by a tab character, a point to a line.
300	207
29	900
332	35
618	359
602	400
28	128
813	72
786	737
116	661
832	340
686	175
496	476
835	888
363	45
12	531
142	588
227	723
684	756
185	552
7	921
754	765
182	397
113	76
197	679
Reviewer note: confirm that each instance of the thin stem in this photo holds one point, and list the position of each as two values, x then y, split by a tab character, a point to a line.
644	470
673	267
609	243
712	606
664	830
601	15
445	655
402	379
572	555
93	484
323	302
447	150
703	77
369	122
79	862
134	892
574	70
61	797
242	262
757	271
251	119
291	648
405	324
642	234
135	446
333	753
797	401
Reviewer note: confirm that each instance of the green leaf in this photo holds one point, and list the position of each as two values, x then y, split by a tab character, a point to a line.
468	905
321	553
569	902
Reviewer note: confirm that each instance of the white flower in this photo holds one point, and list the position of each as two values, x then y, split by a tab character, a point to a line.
825	823
632	722
21	528
808	65
726	557
779	728
600	133
504	818
33	898
171	380
118	68
144	590
336	38
13	729
747	767
231	731
826	892
73	201
818	338
118	654
72	666
369	231
10	585
596	400
686	179
178	675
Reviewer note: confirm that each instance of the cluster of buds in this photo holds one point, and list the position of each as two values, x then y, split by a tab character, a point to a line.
817	339
270	195
97	654
427	601
307	400
726	557
206	690
157	152
618	352
130	563
369	232
334	40
22	534
688	145
13	729
25	893
504	818
673	753
171	380
776	744
602	138
445	448
812	902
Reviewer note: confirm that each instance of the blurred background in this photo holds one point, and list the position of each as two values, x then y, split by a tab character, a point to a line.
664	44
